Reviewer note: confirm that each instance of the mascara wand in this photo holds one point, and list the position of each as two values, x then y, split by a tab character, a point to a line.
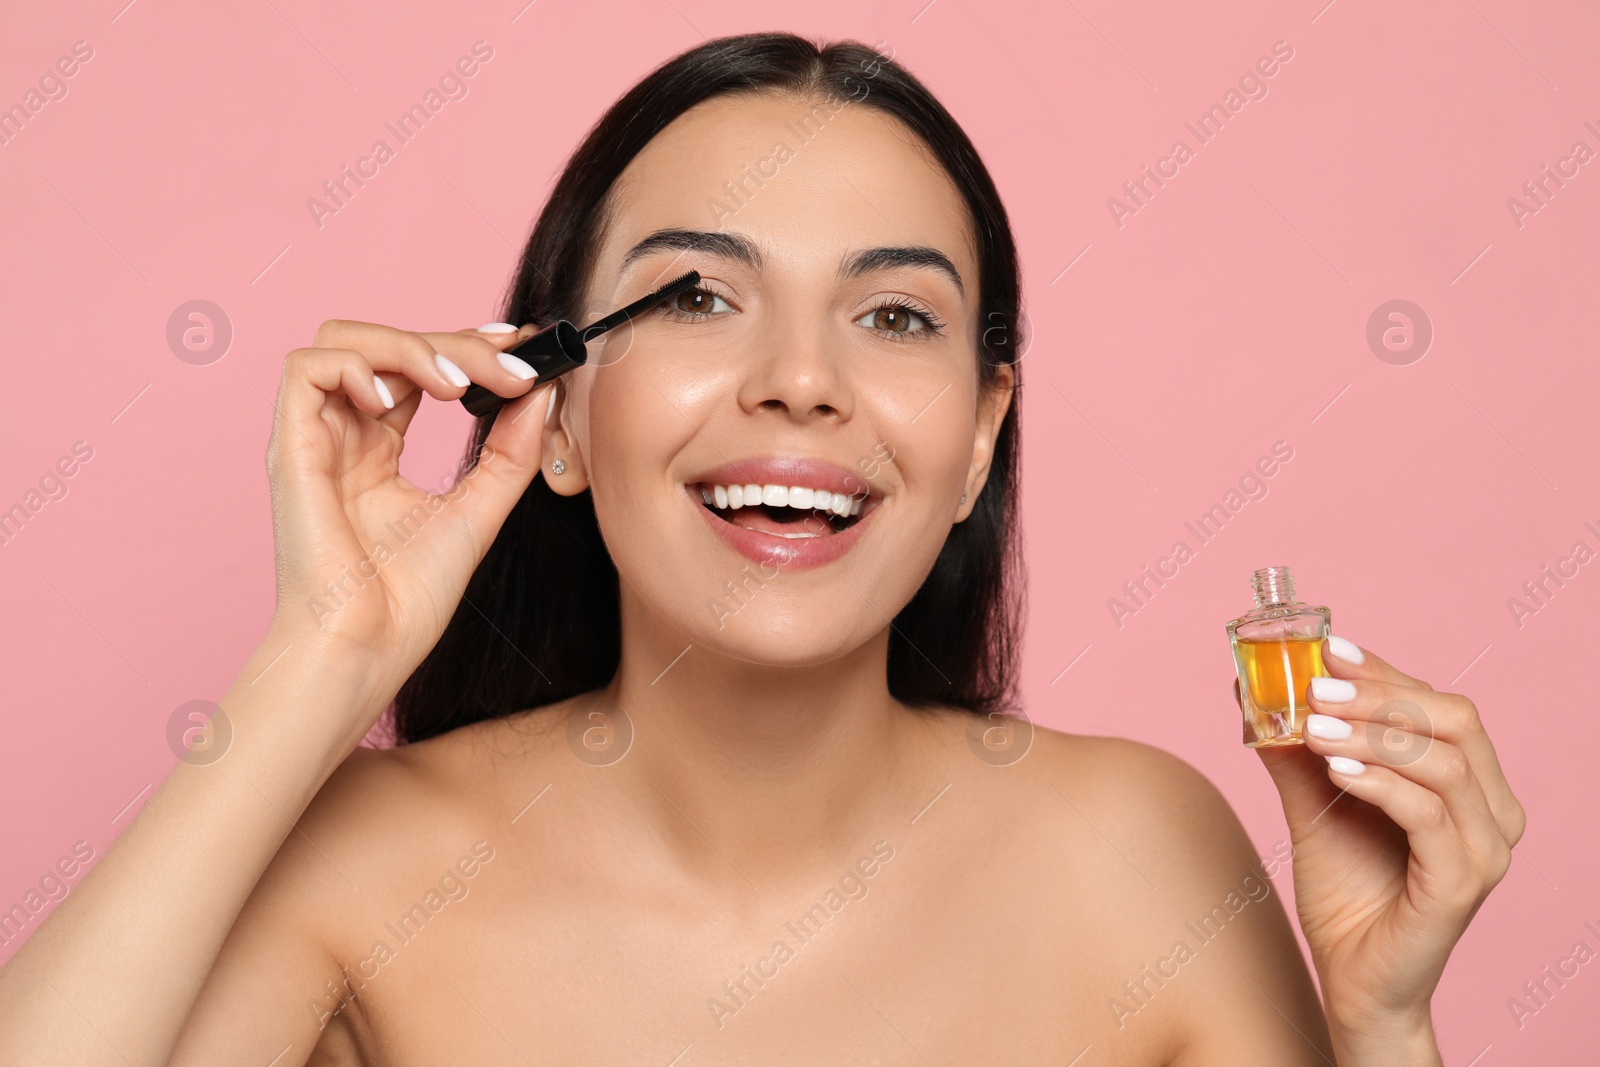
560	347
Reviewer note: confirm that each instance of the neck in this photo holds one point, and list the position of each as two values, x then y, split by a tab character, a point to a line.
767	770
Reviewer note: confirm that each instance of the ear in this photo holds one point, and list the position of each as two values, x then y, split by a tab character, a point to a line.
993	404
559	452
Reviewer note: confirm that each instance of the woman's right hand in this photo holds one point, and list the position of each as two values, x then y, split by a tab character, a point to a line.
369	564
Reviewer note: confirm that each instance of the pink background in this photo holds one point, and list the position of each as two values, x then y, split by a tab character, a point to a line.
1171	352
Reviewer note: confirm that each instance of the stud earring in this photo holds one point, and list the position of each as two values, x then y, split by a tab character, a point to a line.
963	498
558	467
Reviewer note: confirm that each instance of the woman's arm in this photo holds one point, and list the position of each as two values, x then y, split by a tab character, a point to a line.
294	958
1402	823
113	974
110	977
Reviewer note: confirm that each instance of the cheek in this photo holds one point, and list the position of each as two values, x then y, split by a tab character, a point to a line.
643	409
624	439
637	416
933	451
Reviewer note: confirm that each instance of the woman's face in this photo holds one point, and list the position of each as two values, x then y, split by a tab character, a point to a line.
805	361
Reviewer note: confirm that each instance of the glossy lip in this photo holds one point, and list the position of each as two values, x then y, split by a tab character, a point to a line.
787	553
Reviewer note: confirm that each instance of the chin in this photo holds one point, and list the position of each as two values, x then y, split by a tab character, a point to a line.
787	635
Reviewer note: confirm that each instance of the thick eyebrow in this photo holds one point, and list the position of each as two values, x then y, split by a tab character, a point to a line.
742	249
713	242
890	256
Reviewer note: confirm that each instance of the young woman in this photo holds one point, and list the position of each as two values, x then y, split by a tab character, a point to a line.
695	668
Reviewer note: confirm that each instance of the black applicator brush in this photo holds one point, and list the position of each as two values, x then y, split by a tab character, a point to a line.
559	347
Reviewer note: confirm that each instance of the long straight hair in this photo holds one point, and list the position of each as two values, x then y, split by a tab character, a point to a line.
529	633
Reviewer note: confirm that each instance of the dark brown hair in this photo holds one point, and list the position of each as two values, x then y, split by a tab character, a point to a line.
529	632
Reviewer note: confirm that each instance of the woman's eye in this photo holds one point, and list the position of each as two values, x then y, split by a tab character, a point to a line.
694	303
898	319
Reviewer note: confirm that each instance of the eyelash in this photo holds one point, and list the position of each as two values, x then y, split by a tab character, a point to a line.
933	325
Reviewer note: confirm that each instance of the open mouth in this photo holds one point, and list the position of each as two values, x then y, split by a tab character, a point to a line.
795	512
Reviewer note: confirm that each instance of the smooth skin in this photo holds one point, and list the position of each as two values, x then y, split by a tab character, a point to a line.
605	910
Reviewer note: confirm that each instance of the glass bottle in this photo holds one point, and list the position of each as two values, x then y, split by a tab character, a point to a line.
1277	650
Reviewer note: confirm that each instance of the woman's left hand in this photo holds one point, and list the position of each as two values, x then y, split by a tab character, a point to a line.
1386	884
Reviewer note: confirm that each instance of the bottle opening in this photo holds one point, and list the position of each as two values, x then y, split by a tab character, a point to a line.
1272	585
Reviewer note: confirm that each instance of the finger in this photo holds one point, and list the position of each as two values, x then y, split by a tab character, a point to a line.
1301	777
1346	659
506	465
1438	766
300	449
1449	716
1437	849
481	357
500	334
406	361
310	375
405	409
1376	706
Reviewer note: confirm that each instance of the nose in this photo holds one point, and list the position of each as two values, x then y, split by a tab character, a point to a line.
797	372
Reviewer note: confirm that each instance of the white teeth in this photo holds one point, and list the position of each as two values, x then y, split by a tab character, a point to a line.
801	497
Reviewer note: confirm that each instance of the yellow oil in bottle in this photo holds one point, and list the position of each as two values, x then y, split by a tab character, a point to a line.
1278	672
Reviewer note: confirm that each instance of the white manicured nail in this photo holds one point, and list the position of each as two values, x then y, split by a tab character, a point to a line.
1346	765
497	327
1333	690
1348	651
516	366
383	392
550	405
455	374
1327	727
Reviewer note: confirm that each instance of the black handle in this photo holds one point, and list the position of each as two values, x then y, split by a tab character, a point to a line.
551	352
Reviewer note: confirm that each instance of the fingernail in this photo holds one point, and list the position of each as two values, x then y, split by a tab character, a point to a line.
1333	690
550	406
516	366
1327	727
497	327
1348	651
452	372
1346	765
383	392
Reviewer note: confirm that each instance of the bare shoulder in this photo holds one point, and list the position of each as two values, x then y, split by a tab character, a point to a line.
1157	797
388	809
1151	813
388	824
1188	903
387	829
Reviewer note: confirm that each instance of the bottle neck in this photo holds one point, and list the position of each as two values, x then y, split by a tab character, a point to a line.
1272	585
